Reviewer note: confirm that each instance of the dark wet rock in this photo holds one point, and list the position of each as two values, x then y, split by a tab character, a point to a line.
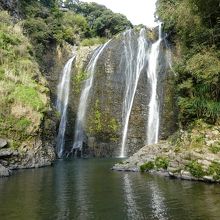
107	96
12	6
8	153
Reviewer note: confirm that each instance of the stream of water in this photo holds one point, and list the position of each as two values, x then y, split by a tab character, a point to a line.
62	104
134	66
81	113
87	189
154	112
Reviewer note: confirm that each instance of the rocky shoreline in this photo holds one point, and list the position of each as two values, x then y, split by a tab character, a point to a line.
14	159
164	159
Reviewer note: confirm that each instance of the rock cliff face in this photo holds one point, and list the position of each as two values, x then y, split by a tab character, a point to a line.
11	6
104	122
27	119
37	147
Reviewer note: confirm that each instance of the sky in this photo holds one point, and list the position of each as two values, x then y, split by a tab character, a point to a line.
137	11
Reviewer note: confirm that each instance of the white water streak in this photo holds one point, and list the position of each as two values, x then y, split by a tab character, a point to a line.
132	77
132	208
83	104
159	208
154	111
62	104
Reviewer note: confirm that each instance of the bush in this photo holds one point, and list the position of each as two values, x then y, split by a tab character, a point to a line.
192	25
195	169
147	166
102	21
161	162
215	148
214	170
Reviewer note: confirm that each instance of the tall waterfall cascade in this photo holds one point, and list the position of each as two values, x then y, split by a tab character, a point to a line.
154	115
134	66
62	104
83	104
129	74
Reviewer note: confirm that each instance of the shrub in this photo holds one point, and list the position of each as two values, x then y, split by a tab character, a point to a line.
214	148
195	169
147	166
161	162
214	170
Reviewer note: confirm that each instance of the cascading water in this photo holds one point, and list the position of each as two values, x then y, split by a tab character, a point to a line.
134	66
154	115
62	104
81	114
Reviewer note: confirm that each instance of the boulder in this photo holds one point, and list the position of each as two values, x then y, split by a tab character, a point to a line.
4	171
7	153
3	143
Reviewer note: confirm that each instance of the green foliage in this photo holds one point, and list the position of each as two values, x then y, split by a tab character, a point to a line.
78	79
195	169
161	162
29	96
13	126
102	125
214	170
97	117
93	41
74	27
215	148
113	124
22	88
46	24
102	21
198	88
147	166
193	25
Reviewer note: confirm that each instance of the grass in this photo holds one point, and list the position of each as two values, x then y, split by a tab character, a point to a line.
93	41
23	92
28	96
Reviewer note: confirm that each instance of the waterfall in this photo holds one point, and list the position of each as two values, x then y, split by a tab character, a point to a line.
134	65
62	104
81	114
154	114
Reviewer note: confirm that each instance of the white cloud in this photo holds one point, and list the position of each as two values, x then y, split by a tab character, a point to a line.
137	11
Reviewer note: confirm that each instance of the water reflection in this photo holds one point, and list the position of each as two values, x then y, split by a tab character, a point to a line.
132	210
63	211
158	202
82	194
88	189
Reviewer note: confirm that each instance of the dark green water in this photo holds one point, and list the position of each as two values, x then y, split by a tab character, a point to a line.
88	189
